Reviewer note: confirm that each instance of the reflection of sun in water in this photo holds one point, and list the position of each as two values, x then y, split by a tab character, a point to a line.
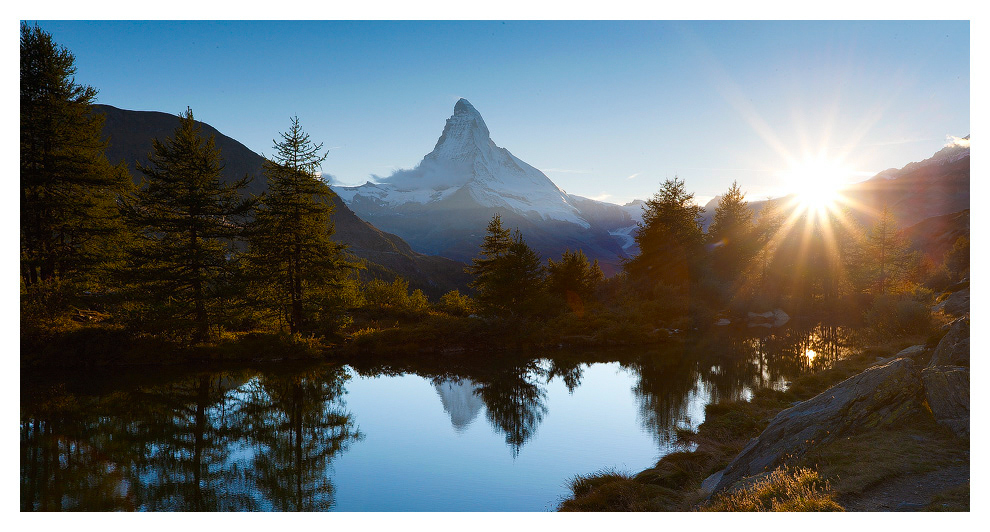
810	354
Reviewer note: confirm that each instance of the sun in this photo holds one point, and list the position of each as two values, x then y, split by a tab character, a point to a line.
816	183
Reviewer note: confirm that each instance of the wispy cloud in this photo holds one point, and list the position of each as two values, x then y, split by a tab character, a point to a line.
601	197
956	141
634	176
565	171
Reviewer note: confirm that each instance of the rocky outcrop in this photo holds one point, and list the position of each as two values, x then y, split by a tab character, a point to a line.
947	392
956	304
953	349
946	378
877	397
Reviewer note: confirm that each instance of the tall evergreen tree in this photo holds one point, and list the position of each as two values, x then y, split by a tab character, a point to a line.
69	191
187	219
669	238
291	250
573	280
508	274
731	235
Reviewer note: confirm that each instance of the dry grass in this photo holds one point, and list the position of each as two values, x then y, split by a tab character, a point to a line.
783	490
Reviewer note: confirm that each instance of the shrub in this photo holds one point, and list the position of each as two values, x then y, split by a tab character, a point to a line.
395	298
783	490
456	304
894	315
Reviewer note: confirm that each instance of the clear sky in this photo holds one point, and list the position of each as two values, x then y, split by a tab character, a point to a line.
606	109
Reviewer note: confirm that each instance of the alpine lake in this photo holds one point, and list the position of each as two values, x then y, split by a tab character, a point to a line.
494	431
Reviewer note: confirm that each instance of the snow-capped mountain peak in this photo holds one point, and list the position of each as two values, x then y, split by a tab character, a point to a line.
464	135
465	159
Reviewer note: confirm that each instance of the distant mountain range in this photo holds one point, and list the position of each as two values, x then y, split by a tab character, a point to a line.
425	223
130	136
443	205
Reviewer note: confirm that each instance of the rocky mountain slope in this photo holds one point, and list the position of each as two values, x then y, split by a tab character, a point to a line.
130	136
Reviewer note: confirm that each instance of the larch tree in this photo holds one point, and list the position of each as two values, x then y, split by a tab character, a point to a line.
291	250
670	238
572	280
187	219
884	255
508	273
69	191
731	235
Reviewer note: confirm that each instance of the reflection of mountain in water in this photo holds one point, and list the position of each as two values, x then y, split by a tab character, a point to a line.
459	402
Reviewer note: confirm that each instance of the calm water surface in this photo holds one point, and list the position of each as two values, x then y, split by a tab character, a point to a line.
490	435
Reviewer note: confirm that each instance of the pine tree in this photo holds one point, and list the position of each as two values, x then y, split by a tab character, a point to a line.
572	280
485	267
508	274
731	234
69	191
290	240
186	219
669	238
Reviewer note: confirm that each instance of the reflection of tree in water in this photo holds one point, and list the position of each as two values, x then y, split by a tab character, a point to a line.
156	448
514	402
666	384
59	470
569	371
296	425
727	367
183	439
788	353
187	445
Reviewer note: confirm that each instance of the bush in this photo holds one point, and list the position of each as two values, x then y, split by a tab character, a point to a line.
456	304
894	315
394	297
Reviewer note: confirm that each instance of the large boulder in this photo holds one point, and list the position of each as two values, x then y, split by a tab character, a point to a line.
953	349
880	396
947	392
956	304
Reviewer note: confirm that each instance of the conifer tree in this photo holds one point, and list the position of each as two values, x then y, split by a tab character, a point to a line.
291	249
186	219
669	238
573	280
731	234
69	191
884	256
508	274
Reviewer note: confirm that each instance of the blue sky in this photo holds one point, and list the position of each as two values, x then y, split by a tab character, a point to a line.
606	109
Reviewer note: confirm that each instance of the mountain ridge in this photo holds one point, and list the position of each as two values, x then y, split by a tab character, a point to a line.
130	135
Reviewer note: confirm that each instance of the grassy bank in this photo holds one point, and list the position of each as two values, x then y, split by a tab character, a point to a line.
823	479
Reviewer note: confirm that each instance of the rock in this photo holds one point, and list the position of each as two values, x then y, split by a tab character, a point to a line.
708	485
722	321
775	318
909	352
957	304
947	392
953	349
879	396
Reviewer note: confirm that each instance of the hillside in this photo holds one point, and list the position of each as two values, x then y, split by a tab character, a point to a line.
130	135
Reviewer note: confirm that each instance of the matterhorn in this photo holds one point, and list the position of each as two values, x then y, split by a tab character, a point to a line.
443	205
